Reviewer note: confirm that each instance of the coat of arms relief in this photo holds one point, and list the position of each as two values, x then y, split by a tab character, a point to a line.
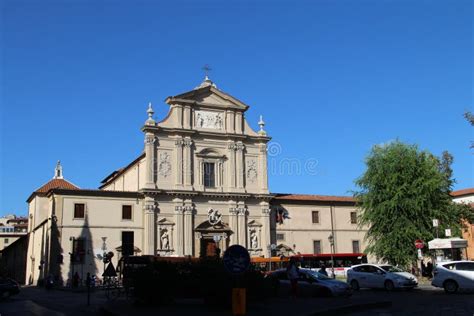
164	167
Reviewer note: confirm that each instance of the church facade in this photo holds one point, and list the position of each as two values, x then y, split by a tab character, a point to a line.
200	186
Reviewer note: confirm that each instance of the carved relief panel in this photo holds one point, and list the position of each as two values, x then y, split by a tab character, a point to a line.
209	119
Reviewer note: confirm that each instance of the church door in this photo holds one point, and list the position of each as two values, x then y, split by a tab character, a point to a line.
208	248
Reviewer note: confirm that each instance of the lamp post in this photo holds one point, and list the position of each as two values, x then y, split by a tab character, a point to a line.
217	239
331	243
104	249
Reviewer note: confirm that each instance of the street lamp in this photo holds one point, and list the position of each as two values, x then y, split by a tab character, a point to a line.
104	249
331	243
217	239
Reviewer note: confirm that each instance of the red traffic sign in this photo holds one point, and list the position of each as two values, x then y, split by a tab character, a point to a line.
419	244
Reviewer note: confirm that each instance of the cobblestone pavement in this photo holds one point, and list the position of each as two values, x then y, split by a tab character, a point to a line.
425	300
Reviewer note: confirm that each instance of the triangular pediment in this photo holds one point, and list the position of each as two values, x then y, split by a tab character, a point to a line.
255	223
165	221
209	97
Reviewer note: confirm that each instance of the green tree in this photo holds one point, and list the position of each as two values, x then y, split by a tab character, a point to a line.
470	118
401	192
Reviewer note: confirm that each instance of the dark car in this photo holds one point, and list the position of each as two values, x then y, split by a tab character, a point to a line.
8	287
310	283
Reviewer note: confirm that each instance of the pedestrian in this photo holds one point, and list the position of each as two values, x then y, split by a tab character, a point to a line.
429	269
75	280
292	272
323	270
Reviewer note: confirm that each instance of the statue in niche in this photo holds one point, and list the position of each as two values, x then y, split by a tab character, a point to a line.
165	240
254	239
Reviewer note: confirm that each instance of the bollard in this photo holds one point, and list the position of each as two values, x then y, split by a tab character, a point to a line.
238	301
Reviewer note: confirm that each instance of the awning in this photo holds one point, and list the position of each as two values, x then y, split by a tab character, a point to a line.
447	243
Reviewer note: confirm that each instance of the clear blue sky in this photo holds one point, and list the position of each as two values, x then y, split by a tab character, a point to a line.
332	78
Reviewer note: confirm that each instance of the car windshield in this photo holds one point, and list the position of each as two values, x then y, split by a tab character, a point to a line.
391	268
318	275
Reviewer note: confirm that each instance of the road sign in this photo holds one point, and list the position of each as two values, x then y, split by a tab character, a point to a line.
236	259
447	232
419	244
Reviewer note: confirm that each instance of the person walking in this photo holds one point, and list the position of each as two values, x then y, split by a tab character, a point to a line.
293	274
323	270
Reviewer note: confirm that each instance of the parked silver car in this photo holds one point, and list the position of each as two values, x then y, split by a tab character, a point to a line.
380	276
310	283
454	276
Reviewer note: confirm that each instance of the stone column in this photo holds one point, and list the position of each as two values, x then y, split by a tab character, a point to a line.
179	231
266	238
150	159
231	169
188	230
149	240
179	162
240	172
263	165
242	226
187	162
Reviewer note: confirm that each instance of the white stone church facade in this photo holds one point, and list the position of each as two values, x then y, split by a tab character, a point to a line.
199	186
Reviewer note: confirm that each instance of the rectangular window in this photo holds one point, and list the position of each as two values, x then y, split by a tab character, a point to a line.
127	244
353	217
79	210
355	246
127	212
6	240
316	247
209	175
79	250
280	236
315	215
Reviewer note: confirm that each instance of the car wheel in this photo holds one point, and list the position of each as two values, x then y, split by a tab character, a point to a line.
450	286
389	286
355	285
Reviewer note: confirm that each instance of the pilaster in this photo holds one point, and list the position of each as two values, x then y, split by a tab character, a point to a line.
187	143
149	239
179	209
233	224
231	174
188	228
266	242
239	146
263	164
179	163
150	158
242	225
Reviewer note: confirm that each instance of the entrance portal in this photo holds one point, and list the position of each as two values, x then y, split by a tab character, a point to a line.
214	239
208	247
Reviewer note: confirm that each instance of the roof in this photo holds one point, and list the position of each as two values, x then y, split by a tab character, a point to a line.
53	184
463	192
208	88
313	198
120	171
56	184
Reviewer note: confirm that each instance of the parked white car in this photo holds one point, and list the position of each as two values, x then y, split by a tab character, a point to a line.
380	276
454	276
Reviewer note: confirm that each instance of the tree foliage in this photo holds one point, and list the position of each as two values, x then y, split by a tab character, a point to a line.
470	118
401	192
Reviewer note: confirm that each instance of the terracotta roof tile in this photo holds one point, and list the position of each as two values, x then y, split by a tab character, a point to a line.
314	198
57	184
462	192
